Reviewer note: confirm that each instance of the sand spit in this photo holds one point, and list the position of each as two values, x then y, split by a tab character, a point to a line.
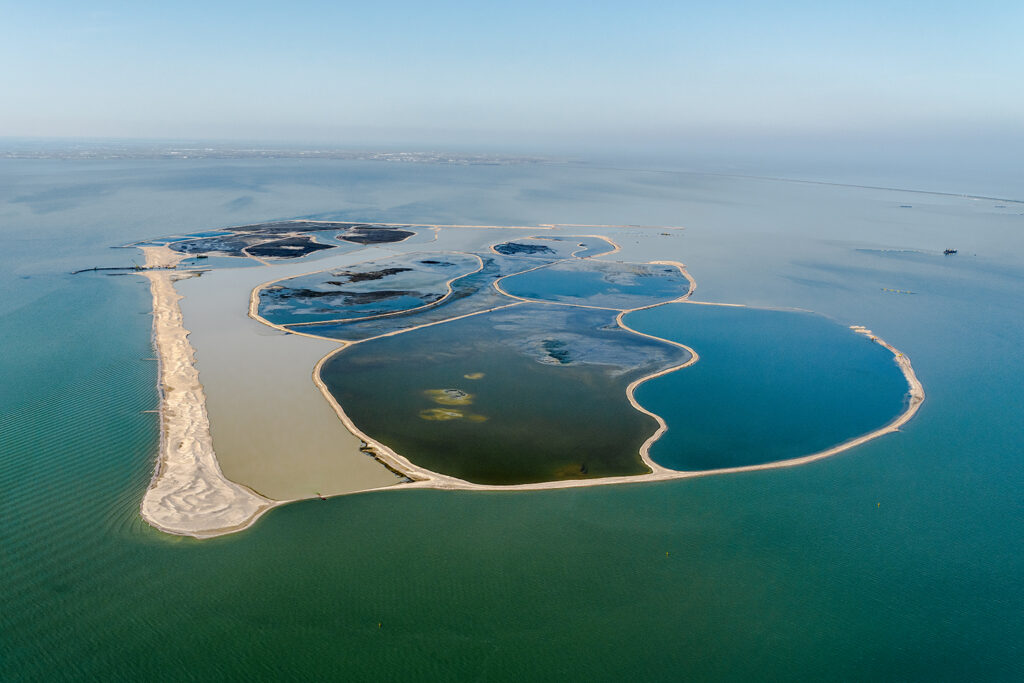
188	494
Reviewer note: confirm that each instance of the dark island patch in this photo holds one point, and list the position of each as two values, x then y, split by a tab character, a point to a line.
513	248
283	227
347	276
337	298
231	245
375	235
290	247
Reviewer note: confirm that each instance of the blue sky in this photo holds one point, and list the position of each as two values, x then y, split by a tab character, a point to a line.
517	71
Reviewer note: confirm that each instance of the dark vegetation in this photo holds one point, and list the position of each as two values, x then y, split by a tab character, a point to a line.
231	245
348	298
375	235
556	349
513	248
290	247
279	227
367	276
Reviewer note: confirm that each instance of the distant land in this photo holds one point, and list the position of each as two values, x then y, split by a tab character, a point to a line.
132	149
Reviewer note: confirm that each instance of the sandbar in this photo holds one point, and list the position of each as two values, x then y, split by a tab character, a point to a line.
188	495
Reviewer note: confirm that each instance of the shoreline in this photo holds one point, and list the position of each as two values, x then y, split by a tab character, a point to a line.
424	478
428	479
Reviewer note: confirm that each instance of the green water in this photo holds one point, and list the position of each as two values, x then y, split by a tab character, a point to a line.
550	404
900	560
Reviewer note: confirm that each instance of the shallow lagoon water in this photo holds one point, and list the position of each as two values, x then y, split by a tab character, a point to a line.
770	385
546	394
364	290
899	560
599	283
470	294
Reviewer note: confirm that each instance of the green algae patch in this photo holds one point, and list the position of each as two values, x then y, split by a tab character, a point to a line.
449	397
441	414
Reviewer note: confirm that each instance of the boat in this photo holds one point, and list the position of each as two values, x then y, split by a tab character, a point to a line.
947	252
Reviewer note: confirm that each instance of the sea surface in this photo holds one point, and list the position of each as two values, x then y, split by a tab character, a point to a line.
898	560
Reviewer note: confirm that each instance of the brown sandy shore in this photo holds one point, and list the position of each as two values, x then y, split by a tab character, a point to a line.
190	496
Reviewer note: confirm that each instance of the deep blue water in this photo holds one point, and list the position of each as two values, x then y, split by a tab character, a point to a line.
769	385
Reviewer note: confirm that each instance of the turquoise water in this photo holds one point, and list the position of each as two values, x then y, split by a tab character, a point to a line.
770	385
595	283
899	560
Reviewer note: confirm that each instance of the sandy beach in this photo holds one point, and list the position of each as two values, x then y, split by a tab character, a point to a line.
188	494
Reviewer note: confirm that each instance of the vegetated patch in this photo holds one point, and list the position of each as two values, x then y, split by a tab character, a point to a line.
445	414
370	234
513	248
347	298
557	351
350	276
277	227
290	247
229	245
449	397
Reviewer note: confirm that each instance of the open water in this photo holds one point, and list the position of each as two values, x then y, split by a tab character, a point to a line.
898	560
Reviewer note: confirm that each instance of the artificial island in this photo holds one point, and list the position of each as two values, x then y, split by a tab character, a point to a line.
487	358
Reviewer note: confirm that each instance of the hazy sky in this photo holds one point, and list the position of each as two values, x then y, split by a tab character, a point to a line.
516	70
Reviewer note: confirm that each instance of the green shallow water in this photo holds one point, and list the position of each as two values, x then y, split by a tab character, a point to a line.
900	560
550	404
